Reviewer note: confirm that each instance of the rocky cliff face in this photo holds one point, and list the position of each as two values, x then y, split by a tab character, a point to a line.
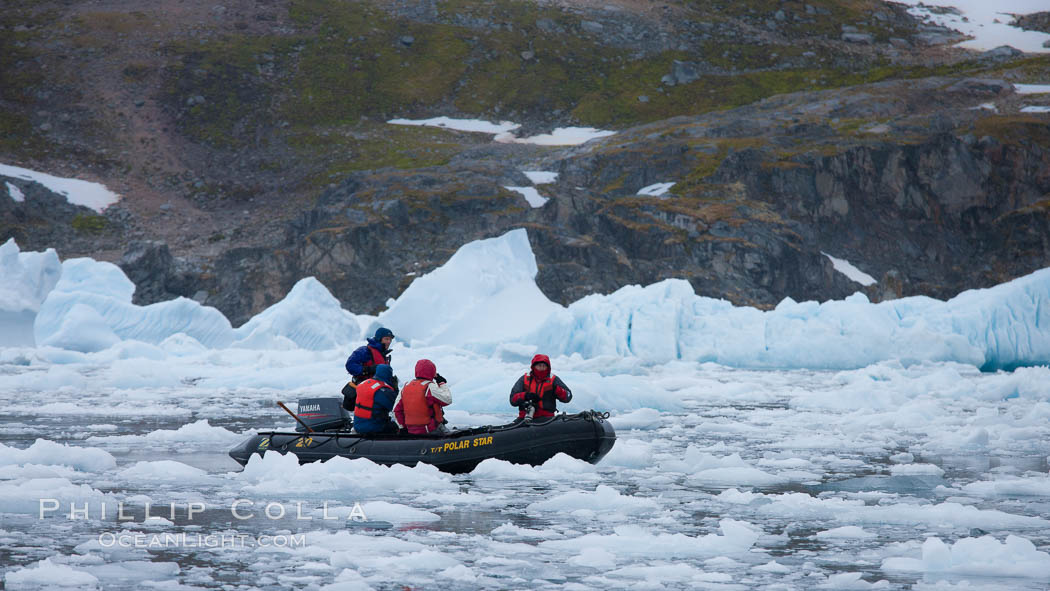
250	148
931	197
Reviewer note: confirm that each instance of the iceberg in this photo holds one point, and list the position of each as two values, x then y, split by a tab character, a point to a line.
64	320
1003	327
309	316
28	278
485	293
485	299
86	305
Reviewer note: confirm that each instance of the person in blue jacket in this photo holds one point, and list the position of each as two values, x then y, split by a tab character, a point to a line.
376	397
363	361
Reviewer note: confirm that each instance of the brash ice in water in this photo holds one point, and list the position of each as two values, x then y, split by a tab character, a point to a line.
840	445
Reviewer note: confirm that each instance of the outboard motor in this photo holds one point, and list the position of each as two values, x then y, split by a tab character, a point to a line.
323	414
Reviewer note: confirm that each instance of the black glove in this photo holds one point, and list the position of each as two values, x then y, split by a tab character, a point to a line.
532	397
439	379
393	382
368	371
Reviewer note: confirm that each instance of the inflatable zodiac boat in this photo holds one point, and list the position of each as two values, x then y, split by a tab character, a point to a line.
586	436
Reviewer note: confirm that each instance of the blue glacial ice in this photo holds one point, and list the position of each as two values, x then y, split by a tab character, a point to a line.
485	297
1002	327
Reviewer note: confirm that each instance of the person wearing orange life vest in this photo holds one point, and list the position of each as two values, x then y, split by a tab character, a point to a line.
362	363
419	406
539	389
375	400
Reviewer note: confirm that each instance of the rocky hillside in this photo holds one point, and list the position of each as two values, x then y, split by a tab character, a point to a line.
250	144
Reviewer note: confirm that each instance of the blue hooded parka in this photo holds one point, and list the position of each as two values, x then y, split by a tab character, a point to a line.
363	357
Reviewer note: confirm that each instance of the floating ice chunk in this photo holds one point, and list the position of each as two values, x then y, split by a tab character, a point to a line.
1036	109
853	273
632	541
48	574
854	511
773	567
540	177
603	499
916	469
199	432
510	530
851	581
984	556
360	476
560	467
26	471
393	513
460	572
49	453
77	192
643	418
739	476
348	580
673	573
847	532
656	190
29	496
1030	486
164	470
487	283
531	195
475	125
708	469
598	558
309	316
630	453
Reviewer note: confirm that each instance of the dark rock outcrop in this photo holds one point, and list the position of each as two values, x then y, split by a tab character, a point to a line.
903	179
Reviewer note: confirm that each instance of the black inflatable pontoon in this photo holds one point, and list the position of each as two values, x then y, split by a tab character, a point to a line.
587	436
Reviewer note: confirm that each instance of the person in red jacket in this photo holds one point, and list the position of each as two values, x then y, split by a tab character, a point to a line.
419	406
539	389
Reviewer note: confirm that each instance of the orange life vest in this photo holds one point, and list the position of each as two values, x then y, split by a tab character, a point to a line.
544	389
366	394
417	412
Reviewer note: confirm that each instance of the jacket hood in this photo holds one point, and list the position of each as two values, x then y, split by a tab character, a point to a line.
425	369
385	374
540	359
376	344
